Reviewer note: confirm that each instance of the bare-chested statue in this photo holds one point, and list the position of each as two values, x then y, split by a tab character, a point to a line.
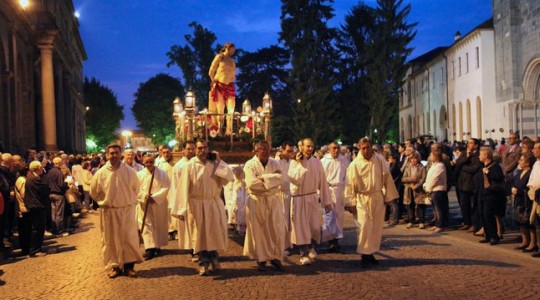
222	73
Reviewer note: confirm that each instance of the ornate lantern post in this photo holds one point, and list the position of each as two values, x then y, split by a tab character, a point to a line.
190	111
267	111
178	115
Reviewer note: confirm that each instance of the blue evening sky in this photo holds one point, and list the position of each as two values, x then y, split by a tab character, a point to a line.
126	40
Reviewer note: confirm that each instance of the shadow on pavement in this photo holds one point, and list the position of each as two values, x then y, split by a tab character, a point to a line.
410	262
166	272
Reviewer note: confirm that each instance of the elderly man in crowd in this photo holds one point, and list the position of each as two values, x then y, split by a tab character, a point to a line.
129	159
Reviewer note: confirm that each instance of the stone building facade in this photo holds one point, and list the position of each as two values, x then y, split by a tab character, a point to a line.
517	56
41	56
492	80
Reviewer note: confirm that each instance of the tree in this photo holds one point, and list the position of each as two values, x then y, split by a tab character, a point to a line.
153	107
104	116
194	60
310	42
353	40
389	51
265	71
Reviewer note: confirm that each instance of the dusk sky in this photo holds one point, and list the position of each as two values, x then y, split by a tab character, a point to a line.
126	40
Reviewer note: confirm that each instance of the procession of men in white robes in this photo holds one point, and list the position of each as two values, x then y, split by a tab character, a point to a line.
183	225
115	187
199	192
369	187
153	207
265	235
308	187
193	196
335	167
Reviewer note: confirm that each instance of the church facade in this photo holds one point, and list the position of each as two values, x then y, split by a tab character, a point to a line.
41	84
489	83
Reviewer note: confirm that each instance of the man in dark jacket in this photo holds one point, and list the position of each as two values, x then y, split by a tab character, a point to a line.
35	199
467	168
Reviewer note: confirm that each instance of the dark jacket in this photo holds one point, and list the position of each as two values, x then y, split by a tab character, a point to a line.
495	177
468	168
36	193
55	179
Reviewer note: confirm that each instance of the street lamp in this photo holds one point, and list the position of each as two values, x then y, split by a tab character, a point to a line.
190	111
246	107
267	111
178	115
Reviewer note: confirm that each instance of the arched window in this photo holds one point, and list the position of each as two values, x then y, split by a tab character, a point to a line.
460	132
469	120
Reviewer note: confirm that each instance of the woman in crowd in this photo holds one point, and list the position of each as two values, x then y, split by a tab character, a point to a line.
435	185
491	195
523	205
414	196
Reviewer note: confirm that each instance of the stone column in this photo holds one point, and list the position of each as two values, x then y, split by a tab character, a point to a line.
47	91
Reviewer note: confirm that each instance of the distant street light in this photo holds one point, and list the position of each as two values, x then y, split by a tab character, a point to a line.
127	135
24	3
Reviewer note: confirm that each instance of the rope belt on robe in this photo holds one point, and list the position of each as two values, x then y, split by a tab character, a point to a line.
227	90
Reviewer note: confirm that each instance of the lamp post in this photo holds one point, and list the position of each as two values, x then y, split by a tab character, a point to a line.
267	112
190	111
178	115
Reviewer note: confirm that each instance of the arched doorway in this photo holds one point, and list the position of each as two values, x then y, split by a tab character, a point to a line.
478	117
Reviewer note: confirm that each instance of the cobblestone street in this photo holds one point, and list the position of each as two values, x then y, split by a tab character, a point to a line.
414	263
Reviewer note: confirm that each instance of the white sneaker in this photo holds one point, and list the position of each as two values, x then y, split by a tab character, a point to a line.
47	233
304	261
312	254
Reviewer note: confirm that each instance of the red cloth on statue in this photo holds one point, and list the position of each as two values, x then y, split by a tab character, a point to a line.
227	90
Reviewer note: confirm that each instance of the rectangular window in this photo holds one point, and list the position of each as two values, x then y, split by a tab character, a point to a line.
433	80
459	66
467	62
477	57
453	70
442	75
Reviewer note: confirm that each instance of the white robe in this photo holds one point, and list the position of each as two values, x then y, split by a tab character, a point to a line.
285	196
308	185
369	183
336	174
230	202
168	169
116	192
265	235
199	193
155	232
241	196
184	237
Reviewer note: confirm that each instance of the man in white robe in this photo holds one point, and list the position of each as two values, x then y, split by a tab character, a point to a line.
165	164
184	237
153	202
369	186
129	159
309	190
199	193
115	187
287	153
265	234
335	167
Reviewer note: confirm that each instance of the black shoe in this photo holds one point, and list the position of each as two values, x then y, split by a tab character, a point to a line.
483	241
365	262
261	266
520	247
494	242
373	260
149	254
115	273
527	250
277	265
536	254
334	248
